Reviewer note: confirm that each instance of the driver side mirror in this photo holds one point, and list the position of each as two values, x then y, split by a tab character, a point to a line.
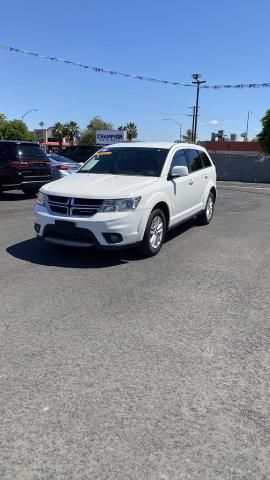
178	171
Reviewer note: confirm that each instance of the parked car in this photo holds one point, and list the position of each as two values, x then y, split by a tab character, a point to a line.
80	153
128	194
61	166
23	166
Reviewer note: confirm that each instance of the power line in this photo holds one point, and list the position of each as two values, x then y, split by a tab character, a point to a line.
92	67
128	75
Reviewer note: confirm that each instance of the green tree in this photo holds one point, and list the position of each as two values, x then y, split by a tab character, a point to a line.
15	130
89	134
131	130
59	132
188	136
264	136
72	130
3	118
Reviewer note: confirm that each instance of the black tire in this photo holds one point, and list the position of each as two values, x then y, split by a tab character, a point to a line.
206	216
30	192
147	248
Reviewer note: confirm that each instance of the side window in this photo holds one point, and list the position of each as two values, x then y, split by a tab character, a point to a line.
4	155
194	160
179	159
205	160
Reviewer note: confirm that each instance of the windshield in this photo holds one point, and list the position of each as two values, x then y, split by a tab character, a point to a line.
127	161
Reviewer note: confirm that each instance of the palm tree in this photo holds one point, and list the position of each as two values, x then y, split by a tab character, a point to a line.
188	137
72	130
131	129
59	132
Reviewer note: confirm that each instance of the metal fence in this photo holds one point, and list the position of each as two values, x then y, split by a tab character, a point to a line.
242	168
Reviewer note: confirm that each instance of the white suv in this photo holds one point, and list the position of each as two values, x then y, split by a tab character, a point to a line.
128	193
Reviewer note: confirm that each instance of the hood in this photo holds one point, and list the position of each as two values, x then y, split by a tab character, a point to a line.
99	186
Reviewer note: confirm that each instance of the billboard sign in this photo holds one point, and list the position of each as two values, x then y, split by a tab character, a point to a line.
107	137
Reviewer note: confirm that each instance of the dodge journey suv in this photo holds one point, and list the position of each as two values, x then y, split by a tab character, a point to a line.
126	194
23	166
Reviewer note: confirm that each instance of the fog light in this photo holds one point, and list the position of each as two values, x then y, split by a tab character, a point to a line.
113	237
37	227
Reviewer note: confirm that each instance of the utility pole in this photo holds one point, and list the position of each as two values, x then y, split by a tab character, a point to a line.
197	82
246	136
193	119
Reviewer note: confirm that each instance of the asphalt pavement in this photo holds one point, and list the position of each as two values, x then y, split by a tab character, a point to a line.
115	367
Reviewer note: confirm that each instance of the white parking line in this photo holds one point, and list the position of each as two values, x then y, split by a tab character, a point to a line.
244	188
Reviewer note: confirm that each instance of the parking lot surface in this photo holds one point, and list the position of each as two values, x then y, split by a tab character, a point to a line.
121	368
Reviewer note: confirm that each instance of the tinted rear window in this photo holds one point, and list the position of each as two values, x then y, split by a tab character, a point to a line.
26	150
78	152
194	160
205	159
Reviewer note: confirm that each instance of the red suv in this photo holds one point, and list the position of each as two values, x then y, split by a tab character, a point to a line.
23	166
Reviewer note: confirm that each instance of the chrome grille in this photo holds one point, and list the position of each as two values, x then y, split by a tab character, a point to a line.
68	206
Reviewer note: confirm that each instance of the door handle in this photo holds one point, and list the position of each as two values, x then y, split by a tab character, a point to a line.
190	182
206	176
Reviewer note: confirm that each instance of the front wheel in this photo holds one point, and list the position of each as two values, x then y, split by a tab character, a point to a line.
154	234
206	216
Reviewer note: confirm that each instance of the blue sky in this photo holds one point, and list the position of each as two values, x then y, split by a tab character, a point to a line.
227	42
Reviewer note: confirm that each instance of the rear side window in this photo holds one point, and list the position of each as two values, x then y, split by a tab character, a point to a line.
27	151
4	154
194	160
179	159
205	159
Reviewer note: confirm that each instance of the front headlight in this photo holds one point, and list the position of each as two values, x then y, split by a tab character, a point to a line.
121	205
41	199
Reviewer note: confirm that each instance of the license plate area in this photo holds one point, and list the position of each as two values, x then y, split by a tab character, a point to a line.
63	226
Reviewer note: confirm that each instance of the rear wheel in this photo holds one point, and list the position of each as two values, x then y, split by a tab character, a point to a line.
154	234
30	192
206	216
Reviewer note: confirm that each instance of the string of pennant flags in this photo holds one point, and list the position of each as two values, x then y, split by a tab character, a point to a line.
128	75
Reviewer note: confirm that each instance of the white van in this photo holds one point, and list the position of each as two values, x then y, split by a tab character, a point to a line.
126	194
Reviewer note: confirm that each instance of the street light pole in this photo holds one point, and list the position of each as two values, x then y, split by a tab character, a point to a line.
177	123
28	111
197	82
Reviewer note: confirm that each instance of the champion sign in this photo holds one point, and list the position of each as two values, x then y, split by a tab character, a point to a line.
107	137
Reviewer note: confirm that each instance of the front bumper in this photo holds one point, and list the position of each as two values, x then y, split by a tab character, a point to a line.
89	231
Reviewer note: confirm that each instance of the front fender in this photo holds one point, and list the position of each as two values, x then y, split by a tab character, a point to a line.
156	198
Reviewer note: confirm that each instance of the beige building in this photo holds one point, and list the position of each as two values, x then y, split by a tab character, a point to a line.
48	141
